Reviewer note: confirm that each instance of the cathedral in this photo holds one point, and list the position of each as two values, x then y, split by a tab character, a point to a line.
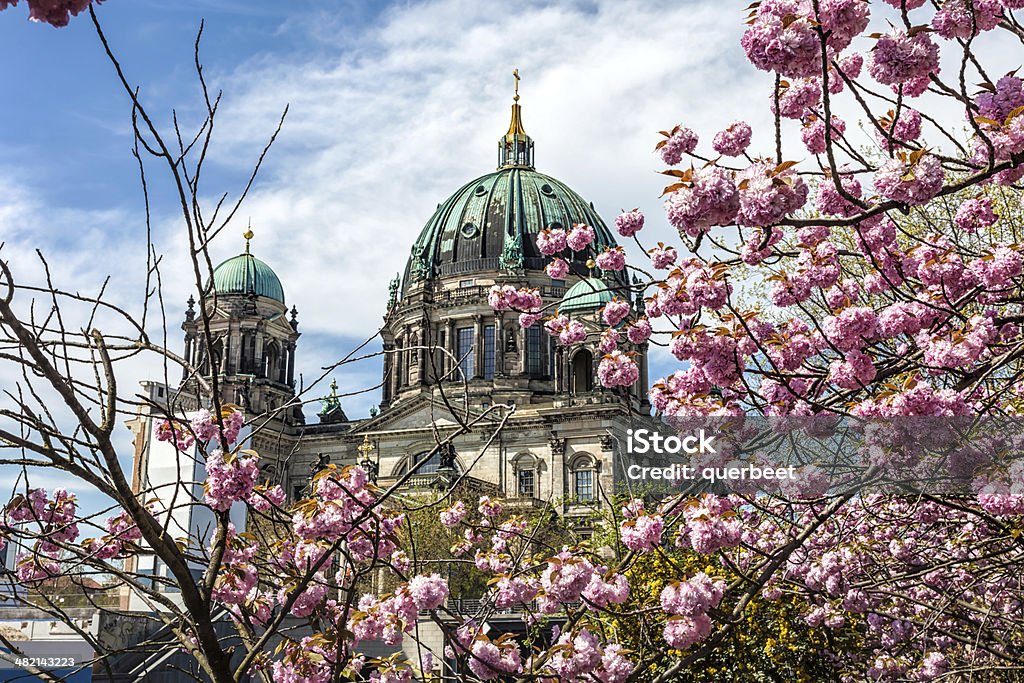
449	360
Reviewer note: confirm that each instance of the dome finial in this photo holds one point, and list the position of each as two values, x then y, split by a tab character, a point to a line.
515	148
248	235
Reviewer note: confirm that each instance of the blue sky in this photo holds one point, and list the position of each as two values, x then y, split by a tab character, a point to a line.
393	107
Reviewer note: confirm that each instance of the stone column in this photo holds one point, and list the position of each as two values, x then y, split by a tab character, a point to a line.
523	339
291	364
451	358
478	347
499	345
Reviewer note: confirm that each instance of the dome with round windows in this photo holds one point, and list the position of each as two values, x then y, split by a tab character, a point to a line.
245	274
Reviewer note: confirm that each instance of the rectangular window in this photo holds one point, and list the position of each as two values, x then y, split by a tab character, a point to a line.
526	483
537	352
464	350
584	485
489	352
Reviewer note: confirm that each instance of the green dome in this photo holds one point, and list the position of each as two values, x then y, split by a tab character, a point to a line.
586	295
495	219
246	274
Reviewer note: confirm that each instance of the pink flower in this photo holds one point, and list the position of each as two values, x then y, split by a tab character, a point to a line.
662	257
615	311
580	237
911	179
617	370
855	372
734	140
551	241
798	98
263	499
609	340
851	329
629	223
573	333
506	297
813	134
781	39
679	142
604	590
557	269
905	129
997	105
489	507
643	533
768	194
683	632
709	198
53	12
428	592
529	319
453	515
899	58
694	596
639	331
612	258
975	214
229	478
174	432
958	19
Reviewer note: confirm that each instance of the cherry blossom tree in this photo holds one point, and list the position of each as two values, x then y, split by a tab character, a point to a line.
892	268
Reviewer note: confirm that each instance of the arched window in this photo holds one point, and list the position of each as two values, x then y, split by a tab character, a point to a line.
583	478
431	466
526	475
272	362
582	372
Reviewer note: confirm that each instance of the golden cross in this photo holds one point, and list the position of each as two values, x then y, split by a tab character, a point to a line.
515	75
365	448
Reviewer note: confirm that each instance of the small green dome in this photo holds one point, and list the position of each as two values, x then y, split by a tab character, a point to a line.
246	274
586	295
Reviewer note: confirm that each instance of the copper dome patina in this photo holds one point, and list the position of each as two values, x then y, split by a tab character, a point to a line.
246	274
491	223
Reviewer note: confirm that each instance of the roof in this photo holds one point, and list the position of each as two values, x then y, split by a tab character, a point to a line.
492	222
586	295
246	274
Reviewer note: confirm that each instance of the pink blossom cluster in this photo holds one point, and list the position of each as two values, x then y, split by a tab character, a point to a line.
902	59
768	193
975	214
966	18
206	427
230	477
639	331
55	519
612	258
615	311
642	533
734	140
813	133
507	297
551	241
662	257
428	592
580	657
797	98
580	237
568	331
710	198
689	601
904	129
910	180
53	12
617	369
629	223
453	516
557	269
997	104
610	339
709	524
678	142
